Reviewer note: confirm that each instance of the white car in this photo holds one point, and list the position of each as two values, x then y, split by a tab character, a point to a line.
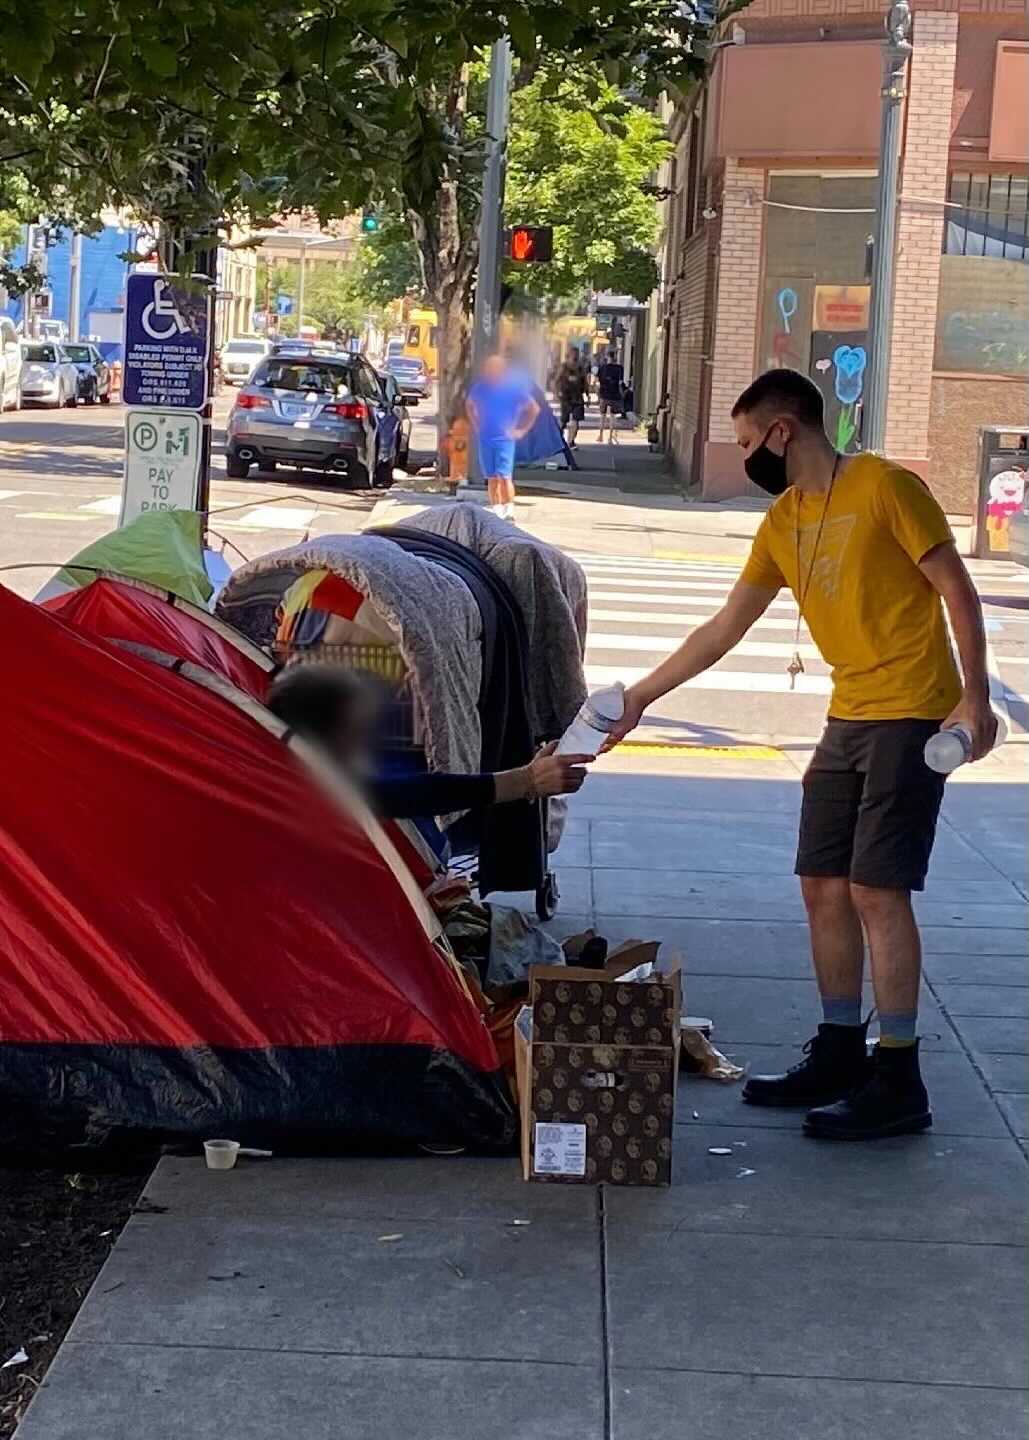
10	365
241	356
48	377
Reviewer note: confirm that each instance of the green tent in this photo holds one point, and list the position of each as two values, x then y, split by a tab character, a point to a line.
165	547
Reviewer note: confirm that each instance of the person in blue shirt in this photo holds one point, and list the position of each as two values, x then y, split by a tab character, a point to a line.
502	410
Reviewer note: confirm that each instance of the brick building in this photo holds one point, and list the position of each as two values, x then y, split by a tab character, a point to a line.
773	187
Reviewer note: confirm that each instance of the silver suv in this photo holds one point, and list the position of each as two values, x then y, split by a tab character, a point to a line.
319	410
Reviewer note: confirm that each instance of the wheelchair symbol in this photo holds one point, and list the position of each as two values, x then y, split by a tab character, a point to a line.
162	307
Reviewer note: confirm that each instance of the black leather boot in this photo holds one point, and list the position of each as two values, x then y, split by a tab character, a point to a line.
835	1063
892	1101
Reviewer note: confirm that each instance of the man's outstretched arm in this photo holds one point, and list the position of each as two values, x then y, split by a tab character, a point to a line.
701	649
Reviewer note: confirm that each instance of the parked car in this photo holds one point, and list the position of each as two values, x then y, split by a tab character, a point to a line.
48	377
320	411
10	365
240	356
93	371
411	375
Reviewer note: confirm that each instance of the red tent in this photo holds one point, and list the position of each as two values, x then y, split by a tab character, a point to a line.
196	933
141	615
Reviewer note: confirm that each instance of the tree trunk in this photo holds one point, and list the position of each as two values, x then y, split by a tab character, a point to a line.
448	251
454	351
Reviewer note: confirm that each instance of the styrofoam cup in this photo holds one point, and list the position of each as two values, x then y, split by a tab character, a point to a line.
221	1154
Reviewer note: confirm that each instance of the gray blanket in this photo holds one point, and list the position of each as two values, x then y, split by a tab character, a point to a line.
432	611
550	589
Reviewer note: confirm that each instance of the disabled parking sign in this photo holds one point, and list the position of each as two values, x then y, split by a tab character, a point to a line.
167	343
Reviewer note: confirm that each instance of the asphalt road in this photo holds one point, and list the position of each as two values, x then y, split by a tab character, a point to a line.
60	483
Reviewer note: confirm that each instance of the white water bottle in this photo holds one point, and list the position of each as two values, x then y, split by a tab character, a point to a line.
599	715
949	748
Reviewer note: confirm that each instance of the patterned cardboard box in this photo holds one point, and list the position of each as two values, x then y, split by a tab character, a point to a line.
597	1077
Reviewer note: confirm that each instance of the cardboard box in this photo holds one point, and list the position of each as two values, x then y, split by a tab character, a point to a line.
597	1061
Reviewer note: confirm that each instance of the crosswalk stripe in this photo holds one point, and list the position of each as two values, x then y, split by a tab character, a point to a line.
109	505
279	517
666	598
648	568
665	644
682	619
752	681
721	587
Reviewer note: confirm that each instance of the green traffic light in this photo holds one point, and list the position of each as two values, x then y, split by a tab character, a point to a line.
369	224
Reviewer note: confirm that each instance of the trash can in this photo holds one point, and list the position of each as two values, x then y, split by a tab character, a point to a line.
1003	471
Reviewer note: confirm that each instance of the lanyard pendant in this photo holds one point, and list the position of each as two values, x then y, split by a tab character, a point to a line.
795	668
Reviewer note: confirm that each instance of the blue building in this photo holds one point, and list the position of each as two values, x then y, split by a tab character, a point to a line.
102	286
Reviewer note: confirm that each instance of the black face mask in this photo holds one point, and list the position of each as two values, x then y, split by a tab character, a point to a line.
766	468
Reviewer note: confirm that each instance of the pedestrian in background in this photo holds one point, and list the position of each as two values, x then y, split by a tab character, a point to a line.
572	388
502	409
869	557
610	383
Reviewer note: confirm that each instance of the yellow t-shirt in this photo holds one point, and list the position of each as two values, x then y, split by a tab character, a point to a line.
870	610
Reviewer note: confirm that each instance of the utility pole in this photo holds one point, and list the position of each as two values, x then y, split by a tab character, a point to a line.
301	286
75	287
880	321
486	320
491	219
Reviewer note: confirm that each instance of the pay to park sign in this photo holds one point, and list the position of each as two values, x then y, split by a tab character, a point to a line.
162	462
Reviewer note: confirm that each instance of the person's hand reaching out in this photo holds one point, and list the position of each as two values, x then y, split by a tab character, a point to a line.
553	774
631	717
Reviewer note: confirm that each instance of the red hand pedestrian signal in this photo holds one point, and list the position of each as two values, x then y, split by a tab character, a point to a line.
530	244
521	244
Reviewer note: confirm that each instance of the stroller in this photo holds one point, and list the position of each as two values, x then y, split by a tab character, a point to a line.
445	635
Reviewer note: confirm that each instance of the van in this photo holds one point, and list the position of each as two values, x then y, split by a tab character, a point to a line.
10	365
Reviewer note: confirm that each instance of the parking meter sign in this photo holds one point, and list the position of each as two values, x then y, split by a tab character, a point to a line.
162	462
167	343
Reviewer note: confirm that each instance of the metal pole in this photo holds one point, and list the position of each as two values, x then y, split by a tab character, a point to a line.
300	287
880	319
486	321
75	287
491	219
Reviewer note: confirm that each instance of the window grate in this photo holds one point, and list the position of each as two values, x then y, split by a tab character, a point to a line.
988	216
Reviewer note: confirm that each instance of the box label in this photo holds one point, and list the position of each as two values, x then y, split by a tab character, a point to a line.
560	1150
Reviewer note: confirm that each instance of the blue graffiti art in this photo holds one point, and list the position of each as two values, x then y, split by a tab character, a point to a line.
849	380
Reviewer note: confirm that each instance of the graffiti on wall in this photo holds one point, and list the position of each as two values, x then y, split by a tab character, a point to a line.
838	369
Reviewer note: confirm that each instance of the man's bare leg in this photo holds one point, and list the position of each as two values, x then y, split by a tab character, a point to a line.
837	946
896	955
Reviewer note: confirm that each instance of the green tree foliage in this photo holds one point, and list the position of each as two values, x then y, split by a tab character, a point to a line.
387	262
578	159
336	298
195	115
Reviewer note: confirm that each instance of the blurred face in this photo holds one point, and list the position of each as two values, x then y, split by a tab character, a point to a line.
573	355
493	368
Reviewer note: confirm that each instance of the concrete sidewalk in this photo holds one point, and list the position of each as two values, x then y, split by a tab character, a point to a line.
790	1291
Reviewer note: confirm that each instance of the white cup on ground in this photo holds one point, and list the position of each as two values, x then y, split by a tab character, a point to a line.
221	1154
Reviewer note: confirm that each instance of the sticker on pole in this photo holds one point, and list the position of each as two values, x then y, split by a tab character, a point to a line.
167	343
162	462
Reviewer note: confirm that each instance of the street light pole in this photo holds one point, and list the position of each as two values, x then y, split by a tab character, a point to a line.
880	320
486	320
75	287
300	287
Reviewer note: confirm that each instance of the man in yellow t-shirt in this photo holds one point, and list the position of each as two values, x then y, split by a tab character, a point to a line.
869	557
